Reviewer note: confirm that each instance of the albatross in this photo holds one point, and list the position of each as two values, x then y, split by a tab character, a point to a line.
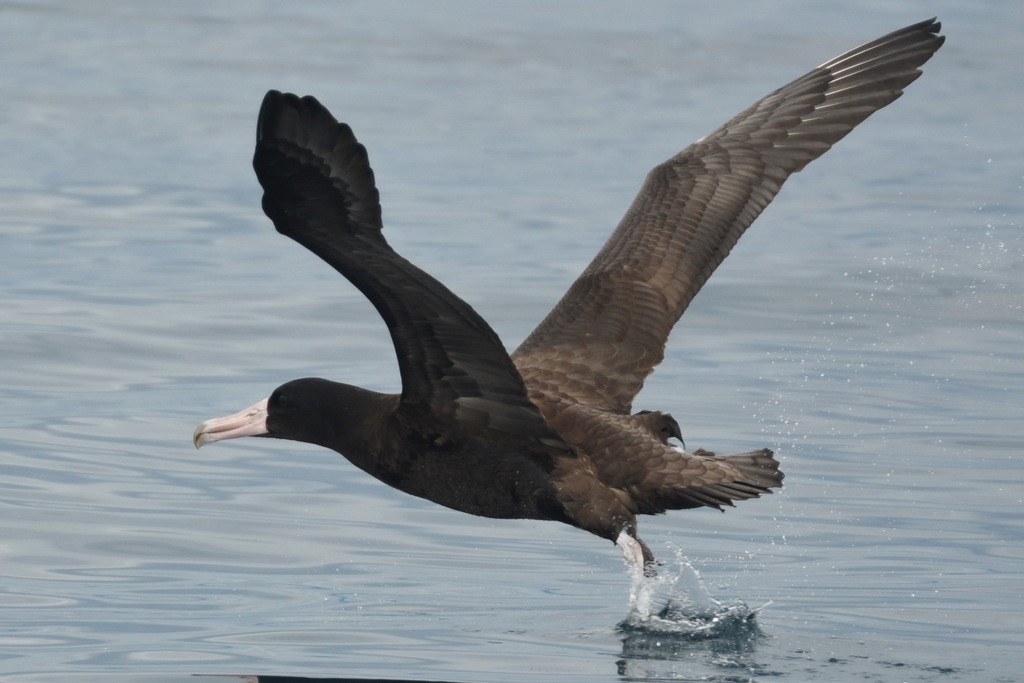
548	431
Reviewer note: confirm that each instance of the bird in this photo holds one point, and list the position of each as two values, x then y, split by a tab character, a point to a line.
548	432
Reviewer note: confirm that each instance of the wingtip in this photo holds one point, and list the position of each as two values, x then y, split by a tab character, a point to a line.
930	29
268	121
288	116
269	102
932	25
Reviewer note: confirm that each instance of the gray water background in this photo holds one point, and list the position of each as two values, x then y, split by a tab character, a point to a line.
868	328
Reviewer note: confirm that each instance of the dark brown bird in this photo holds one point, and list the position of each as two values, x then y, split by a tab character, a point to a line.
547	433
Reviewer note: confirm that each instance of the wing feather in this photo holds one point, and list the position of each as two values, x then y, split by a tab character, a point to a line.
319	190
609	331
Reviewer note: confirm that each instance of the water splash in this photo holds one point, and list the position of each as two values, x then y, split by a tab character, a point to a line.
678	604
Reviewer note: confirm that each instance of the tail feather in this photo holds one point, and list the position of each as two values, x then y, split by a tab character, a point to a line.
759	468
740	477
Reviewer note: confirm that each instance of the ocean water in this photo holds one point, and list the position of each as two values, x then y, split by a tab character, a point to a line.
867	328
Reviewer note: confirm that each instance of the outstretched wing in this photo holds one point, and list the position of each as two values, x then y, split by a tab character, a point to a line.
319	190
608	332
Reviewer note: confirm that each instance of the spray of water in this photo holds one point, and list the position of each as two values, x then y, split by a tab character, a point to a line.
675	601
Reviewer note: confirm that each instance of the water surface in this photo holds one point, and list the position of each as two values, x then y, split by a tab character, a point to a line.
868	329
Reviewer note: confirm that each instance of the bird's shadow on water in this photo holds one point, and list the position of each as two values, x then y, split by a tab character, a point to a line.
674	621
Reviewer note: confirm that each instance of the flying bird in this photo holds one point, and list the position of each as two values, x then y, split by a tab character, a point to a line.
548	432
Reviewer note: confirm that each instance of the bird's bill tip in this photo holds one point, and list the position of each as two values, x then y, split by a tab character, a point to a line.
249	422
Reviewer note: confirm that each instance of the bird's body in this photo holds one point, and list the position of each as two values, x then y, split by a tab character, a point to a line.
549	432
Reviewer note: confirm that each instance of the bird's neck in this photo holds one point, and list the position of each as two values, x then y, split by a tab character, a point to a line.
355	422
